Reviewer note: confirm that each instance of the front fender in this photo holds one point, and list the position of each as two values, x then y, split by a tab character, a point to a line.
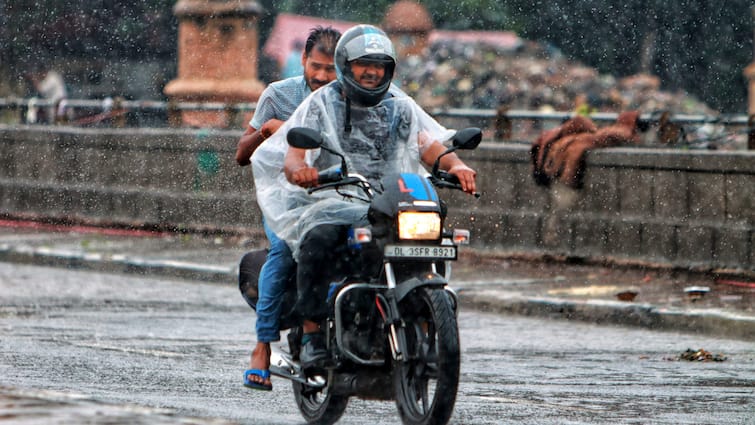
409	285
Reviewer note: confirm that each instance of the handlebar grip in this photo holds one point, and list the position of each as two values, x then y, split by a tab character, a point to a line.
446	179
329	176
450	178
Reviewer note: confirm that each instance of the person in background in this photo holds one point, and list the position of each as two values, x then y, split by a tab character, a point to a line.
276	104
293	65
51	87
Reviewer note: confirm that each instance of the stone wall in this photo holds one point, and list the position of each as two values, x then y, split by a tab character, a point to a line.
173	178
667	207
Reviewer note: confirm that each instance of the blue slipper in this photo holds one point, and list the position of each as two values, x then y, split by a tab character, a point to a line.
264	374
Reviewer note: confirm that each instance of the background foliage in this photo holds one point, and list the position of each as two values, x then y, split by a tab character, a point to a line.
693	45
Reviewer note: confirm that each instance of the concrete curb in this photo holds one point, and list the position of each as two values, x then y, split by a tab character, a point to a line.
710	322
118	264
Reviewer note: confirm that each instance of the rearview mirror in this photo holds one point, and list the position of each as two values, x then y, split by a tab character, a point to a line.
304	138
307	138
467	138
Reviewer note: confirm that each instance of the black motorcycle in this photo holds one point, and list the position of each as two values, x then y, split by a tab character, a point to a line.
391	332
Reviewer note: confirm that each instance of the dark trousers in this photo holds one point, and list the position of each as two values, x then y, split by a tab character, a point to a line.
320	254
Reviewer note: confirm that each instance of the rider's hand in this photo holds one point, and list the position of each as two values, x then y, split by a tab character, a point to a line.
305	177
466	177
271	126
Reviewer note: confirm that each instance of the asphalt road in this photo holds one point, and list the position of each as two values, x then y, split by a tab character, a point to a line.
174	351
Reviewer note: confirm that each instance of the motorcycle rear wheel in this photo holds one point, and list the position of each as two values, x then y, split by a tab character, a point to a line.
426	383
319	407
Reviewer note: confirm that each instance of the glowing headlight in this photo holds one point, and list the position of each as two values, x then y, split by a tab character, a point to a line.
419	225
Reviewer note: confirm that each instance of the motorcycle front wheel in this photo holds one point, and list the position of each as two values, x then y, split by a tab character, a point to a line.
426	381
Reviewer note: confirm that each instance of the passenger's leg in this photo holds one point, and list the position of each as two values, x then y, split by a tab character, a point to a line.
271	286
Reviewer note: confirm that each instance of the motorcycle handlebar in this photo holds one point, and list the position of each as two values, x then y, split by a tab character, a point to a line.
447	180
448	177
342	181
329	176
334	178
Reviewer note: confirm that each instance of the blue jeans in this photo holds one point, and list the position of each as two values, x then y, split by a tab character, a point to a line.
272	282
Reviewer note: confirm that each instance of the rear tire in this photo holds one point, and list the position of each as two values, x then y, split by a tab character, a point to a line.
426	383
319	407
249	275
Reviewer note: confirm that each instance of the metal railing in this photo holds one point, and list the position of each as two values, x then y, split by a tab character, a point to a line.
683	130
521	114
116	112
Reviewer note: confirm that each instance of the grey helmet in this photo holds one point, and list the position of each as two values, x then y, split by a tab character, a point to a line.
368	43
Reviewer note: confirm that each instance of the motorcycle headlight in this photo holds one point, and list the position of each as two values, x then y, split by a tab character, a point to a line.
419	225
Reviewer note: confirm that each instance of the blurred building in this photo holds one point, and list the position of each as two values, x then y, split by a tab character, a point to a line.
288	30
410	38
217	57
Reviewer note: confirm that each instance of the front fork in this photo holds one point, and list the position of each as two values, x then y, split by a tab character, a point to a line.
388	307
387	304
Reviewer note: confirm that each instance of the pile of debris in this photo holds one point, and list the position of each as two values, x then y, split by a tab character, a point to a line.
700	356
536	77
456	74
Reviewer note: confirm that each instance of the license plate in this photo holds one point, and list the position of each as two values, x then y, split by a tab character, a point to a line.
420	251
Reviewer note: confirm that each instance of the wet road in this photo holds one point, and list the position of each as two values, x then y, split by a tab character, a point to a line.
181	347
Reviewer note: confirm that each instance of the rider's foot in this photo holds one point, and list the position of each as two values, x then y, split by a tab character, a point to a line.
260	360
313	350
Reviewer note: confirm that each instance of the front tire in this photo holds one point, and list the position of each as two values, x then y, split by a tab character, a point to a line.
426	382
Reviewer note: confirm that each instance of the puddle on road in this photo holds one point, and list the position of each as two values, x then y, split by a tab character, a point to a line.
586	291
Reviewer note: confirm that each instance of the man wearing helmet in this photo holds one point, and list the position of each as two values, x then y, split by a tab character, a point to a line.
378	129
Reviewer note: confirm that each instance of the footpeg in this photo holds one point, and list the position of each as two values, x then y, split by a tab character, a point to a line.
282	365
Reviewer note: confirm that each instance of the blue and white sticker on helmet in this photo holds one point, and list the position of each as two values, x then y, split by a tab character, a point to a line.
375	44
369	44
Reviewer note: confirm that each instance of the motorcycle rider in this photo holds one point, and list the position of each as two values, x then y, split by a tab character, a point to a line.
379	131
276	104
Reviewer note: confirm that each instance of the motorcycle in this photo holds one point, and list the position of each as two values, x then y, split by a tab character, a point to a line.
392	330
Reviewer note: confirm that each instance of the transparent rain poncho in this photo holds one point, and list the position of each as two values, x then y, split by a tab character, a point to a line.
384	139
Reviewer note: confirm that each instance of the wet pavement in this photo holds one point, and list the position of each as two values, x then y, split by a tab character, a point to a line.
32	407
724	303
485	281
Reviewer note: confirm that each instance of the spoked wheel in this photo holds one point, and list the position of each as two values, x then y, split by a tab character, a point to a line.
427	381
318	405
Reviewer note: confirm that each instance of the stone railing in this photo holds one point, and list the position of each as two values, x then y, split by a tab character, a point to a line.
650	206
647	206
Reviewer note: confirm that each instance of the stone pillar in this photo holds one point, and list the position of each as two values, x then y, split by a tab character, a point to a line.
408	24
749	73
217	57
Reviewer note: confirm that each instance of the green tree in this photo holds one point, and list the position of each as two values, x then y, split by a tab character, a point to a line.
104	29
693	45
